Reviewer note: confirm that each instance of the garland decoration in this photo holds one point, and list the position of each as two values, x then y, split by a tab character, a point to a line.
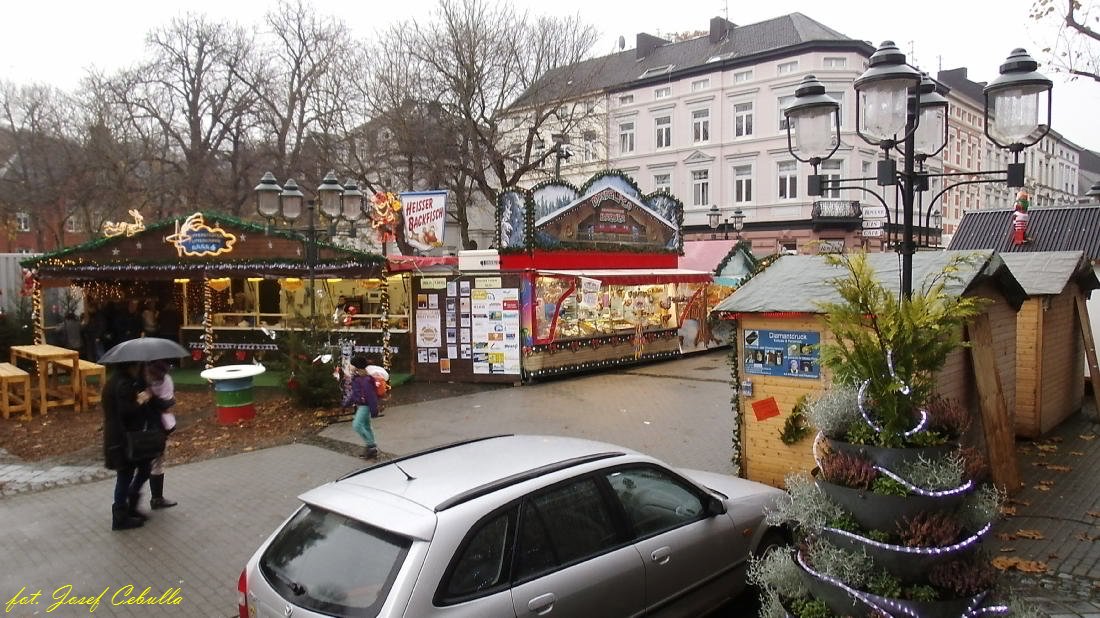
37	315
737	439
208	323
796	427
387	353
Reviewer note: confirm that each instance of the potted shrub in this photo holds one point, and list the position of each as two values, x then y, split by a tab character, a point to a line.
891	522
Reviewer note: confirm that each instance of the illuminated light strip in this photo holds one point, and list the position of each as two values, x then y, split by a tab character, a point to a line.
859	595
924	551
904	390
961	489
1002	610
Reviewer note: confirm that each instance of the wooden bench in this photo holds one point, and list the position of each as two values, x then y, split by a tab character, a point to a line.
88	394
15	391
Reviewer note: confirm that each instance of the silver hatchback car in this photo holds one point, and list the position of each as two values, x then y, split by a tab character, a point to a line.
512	526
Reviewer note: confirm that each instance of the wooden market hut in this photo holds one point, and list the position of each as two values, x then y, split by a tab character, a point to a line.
1050	379
779	326
214	252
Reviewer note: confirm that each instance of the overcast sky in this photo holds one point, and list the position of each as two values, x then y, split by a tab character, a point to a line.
55	41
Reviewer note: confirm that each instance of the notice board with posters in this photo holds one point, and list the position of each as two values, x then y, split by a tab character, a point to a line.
466	328
785	353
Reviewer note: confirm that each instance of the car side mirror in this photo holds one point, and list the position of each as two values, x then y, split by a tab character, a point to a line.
715	506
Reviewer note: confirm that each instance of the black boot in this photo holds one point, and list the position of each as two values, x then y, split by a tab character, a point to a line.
156	486
132	507
121	519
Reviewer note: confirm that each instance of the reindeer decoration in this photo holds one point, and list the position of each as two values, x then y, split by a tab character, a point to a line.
110	228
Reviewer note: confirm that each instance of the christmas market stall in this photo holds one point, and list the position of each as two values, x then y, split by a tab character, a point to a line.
776	361
597	276
232	291
1050	378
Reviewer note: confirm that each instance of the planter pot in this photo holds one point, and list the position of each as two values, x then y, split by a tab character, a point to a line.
891	458
878	512
843	603
906	565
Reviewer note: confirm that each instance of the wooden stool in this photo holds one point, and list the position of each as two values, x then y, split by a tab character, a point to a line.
11	400
88	396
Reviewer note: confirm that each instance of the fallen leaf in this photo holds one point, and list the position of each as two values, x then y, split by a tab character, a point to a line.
1004	536
1007	563
1008	511
1042	487
1029	534
1048	448
1088	437
1093	513
1005	550
1058	468
1052	556
1076	453
1084	536
1046	482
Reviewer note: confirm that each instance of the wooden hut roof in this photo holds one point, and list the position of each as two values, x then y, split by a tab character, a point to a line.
799	283
1048	272
1070	228
256	252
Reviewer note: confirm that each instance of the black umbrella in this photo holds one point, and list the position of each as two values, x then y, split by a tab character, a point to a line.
143	349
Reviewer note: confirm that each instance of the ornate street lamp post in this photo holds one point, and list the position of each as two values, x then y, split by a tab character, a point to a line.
338	202
903	111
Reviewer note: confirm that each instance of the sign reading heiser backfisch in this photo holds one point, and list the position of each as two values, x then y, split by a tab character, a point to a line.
424	213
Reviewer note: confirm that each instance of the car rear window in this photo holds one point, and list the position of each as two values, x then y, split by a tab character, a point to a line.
333	564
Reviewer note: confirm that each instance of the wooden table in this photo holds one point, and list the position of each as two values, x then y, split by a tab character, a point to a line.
47	356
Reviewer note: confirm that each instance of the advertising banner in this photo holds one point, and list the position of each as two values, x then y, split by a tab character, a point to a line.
424	215
791	354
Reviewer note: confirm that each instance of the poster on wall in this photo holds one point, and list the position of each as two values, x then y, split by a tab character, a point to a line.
495	328
786	353
428	333
424	214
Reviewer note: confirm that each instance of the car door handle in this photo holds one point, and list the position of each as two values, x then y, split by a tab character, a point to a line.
542	604
661	555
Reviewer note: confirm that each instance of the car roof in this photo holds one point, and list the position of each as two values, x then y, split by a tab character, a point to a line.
440	478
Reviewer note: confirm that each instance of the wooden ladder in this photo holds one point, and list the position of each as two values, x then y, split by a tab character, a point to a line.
1090	350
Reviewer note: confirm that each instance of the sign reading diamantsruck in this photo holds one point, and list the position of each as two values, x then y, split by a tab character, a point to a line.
786	353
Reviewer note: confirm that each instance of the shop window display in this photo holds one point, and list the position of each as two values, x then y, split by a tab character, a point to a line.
563	311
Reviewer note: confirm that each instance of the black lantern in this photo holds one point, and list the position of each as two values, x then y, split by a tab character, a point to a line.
882	97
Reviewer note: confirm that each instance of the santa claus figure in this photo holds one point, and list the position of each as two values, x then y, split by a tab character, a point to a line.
1019	219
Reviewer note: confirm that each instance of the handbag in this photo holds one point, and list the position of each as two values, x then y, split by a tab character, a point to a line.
144	444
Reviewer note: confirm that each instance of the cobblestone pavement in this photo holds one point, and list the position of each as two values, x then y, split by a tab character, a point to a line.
676	410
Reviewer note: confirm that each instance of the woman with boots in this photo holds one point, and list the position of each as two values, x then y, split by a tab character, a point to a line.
164	399
126	408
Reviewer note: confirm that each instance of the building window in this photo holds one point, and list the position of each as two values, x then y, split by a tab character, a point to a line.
742	184
742	120
662	93
784	102
626	99
741	77
73	225
22	222
835	62
700	187
662	182
591	147
838	96
700	125
830	169
786	68
788	180
626	137
664	131
700	85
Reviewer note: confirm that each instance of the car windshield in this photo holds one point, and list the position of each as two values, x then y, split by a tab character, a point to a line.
332	564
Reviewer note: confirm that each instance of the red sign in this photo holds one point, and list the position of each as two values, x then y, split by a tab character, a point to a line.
765	409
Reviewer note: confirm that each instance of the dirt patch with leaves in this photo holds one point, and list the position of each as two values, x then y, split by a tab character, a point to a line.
67	437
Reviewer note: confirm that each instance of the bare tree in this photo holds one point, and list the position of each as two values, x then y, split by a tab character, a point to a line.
42	173
488	83
298	77
1076	47
188	105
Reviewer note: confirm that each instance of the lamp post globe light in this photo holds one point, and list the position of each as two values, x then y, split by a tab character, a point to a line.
738	220
714	219
338	203
897	105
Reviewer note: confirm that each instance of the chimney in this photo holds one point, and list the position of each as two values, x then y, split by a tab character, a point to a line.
720	29
646	44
